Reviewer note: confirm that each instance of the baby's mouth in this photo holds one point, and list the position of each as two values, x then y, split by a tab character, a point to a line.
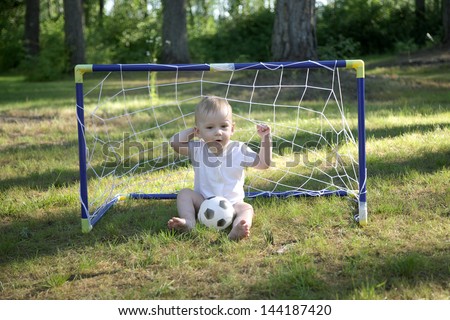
215	146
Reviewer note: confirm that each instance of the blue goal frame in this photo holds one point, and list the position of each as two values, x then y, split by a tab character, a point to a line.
88	221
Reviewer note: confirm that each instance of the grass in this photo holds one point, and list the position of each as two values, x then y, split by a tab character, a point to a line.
299	248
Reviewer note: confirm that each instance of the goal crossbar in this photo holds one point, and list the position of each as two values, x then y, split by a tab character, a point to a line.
89	219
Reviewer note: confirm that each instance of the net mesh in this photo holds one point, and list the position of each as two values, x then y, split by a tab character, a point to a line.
130	117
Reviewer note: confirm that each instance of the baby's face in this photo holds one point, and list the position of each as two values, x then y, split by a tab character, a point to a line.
216	130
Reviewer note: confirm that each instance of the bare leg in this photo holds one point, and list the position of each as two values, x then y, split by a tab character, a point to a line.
188	203
243	221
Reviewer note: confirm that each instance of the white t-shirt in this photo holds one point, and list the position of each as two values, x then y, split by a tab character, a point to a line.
221	175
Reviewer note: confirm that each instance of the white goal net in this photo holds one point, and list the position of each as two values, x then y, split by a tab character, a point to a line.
126	119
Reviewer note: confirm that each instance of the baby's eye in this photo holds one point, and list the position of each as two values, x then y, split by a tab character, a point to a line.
209	128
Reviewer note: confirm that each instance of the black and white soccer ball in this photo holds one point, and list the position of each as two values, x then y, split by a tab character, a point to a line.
216	212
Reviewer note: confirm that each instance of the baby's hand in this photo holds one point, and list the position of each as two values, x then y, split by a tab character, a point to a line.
263	130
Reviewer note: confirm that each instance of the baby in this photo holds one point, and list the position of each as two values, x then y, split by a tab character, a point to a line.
219	165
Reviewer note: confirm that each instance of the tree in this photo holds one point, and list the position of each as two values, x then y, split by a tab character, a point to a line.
446	21
174	32
101	9
420	23
294	31
31	43
73	29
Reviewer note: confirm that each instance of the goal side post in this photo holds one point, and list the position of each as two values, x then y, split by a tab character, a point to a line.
86	224
88	219
358	65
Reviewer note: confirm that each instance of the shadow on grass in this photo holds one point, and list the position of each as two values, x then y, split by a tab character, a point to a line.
54	233
58	178
427	163
364	277
396	131
20	91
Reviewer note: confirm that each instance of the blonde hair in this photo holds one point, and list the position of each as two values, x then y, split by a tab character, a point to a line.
212	105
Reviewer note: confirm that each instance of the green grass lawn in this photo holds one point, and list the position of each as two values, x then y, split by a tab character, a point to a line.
300	248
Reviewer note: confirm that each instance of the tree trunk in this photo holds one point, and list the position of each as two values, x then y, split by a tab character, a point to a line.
73	29
420	23
446	22
101	9
174	32
31	42
294	32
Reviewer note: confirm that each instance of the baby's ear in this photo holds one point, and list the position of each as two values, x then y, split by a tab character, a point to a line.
232	127
196	131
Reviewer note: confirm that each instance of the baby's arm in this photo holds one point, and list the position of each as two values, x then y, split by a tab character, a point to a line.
180	141
265	151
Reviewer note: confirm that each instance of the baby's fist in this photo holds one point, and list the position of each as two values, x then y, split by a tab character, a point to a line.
263	130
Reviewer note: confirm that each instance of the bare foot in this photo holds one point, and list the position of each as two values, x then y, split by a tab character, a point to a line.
240	231
179	224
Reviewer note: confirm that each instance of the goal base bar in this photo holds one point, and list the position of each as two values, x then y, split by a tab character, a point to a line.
254	194
88	223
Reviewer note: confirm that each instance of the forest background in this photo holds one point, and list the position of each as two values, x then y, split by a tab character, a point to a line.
44	39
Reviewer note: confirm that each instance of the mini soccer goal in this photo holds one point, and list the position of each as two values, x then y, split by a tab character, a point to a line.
128	112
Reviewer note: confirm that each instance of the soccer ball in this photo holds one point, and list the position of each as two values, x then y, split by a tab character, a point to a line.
216	212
